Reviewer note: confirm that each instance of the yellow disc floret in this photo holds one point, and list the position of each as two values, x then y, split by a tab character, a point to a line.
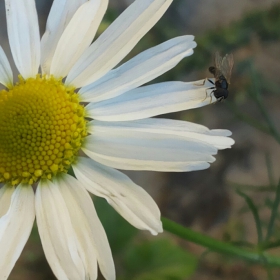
42	129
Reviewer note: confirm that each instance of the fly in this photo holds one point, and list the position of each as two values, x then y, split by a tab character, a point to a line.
222	73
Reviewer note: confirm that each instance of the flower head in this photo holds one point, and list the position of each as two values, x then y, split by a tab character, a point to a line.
44	125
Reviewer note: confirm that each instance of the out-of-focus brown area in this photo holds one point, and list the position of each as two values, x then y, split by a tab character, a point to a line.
205	200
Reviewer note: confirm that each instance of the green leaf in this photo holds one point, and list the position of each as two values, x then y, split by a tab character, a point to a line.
160	259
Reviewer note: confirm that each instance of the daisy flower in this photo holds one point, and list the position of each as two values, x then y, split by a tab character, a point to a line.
45	124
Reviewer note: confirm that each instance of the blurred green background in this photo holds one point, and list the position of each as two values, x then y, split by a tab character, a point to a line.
204	200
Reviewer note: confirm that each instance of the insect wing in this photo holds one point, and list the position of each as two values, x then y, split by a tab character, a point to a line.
218	64
218	60
226	66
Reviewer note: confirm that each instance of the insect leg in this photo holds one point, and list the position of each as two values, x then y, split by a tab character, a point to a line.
206	95
220	99
210	88
211	95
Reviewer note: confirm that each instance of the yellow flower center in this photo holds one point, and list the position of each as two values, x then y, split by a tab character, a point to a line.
42	129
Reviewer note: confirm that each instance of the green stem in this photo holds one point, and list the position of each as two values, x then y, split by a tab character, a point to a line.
253	188
219	246
273	131
273	213
258	99
255	213
269	170
270	245
269	273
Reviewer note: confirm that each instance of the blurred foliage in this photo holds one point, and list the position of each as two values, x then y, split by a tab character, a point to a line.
144	259
263	24
159	259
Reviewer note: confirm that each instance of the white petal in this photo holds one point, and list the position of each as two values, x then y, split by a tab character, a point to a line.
129	199
61	13
139	70
221	132
77	36
60	243
117	41
84	218
6	73
15	228
65	230
5	199
169	127
24	37
162	166
135	150
152	100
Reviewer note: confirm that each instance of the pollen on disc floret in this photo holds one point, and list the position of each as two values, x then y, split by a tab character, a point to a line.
42	129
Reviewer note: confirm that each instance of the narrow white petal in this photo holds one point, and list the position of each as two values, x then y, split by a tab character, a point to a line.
139	70
169	127
87	224
24	37
152	100
15	228
60	15
6	73
60	243
5	198
162	166
129	199
77	36
69	233
117	41
221	132
147	151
